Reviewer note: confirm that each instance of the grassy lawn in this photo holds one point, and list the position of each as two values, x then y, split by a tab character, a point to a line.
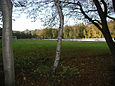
35	48
81	64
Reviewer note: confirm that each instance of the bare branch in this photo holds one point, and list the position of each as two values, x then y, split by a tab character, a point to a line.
111	17
100	11
91	10
68	2
98	21
86	16
105	7
113	4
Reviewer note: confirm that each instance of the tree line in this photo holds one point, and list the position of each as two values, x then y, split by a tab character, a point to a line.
69	32
27	34
76	31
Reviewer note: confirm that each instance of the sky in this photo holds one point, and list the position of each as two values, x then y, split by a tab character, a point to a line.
22	23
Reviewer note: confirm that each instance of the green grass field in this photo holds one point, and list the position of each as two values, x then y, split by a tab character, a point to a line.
34	60
40	48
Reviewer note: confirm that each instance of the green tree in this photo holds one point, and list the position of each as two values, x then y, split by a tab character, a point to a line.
54	33
41	34
71	34
48	33
81	29
111	26
66	31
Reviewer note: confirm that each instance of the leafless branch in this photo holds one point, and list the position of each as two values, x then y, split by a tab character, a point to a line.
100	11
68	2
105	7
86	16
91	10
98	21
111	17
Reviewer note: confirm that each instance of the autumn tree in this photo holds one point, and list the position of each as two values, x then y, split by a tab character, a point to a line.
66	31
111	25
54	33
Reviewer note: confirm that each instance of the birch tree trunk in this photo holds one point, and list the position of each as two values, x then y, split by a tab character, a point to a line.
58	50
7	52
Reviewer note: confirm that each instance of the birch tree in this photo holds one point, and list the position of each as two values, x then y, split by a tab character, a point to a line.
58	50
50	18
8	61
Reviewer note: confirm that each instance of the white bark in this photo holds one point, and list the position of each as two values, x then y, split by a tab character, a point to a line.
7	52
56	62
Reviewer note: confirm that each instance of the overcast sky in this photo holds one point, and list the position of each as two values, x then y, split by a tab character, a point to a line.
22	23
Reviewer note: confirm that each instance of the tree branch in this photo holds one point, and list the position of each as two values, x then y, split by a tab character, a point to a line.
105	7
113	4
68	2
111	17
100	11
86	16
91	10
98	21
